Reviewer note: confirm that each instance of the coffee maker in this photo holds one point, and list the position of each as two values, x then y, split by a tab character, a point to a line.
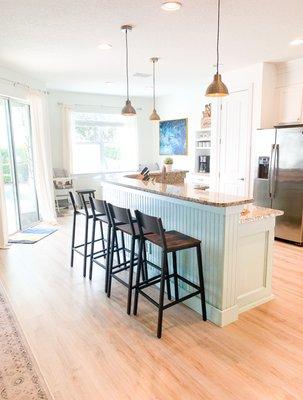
204	164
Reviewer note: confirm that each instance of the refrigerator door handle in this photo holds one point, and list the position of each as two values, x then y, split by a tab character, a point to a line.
275	171
270	175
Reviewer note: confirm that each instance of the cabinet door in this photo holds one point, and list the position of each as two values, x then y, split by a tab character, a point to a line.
290	104
235	143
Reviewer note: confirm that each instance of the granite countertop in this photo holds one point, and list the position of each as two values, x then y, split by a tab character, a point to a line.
182	191
253	213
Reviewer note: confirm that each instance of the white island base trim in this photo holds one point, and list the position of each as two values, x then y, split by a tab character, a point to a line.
237	257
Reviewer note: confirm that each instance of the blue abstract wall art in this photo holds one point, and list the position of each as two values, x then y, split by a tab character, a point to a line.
173	137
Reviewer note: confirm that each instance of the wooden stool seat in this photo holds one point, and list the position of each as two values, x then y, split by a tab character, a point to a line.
174	241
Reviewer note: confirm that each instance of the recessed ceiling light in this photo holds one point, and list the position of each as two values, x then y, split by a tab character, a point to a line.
104	46
296	42
171	5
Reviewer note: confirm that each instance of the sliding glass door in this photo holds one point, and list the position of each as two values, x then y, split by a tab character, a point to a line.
17	164
8	169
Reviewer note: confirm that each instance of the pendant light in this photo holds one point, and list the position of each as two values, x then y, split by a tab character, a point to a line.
154	115
128	109
217	87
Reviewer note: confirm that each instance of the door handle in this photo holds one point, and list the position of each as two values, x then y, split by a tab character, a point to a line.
241	179
275	172
270	172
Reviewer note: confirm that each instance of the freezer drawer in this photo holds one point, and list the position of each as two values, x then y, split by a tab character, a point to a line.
261	193
289	198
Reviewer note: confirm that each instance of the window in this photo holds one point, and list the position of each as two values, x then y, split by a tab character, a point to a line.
103	142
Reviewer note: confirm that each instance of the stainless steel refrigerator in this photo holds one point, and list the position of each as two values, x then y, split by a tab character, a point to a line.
278	179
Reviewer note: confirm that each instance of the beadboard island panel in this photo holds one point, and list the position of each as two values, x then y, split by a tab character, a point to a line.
222	233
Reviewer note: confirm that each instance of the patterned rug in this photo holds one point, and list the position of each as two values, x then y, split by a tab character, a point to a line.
32	235
20	378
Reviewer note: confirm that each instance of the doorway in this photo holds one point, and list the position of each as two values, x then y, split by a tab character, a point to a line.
234	146
17	164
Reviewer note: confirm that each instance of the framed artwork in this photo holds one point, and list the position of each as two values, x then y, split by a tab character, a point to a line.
173	137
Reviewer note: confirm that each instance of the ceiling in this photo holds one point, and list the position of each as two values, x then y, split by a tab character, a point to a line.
55	41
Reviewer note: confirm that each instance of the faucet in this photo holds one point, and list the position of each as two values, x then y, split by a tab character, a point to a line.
164	173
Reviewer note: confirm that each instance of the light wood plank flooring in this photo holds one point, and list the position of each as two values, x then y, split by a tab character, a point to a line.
88	348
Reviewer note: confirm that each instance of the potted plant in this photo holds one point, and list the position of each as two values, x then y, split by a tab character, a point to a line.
168	162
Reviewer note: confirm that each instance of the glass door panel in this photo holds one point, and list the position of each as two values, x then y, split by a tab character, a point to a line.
6	159
24	167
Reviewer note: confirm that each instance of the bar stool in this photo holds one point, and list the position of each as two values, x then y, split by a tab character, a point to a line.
77	202
123	222
169	242
85	192
100	214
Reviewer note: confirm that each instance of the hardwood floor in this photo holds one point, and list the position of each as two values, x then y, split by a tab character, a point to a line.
88	348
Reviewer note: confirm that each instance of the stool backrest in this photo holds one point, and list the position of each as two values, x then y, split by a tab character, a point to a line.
98	206
76	202
150	224
120	215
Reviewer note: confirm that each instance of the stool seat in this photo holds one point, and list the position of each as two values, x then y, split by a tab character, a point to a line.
174	240
127	228
86	191
102	217
87	214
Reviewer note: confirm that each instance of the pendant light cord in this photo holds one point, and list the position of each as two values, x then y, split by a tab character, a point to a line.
218	34
126	56
154	84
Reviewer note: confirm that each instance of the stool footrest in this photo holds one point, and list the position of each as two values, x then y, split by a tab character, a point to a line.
188	296
100	264
149	298
120	280
188	282
83	244
153	281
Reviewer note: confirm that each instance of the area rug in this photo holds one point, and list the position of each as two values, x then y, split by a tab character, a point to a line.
32	235
20	378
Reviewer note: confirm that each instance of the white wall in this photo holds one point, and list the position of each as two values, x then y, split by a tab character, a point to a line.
187	103
143	107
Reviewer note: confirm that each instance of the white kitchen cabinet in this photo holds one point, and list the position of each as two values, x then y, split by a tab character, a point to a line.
290	102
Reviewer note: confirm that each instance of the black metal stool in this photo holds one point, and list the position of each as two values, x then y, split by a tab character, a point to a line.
100	214
169	242
123	222
85	192
77	202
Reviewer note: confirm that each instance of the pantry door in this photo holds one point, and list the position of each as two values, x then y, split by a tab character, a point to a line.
235	143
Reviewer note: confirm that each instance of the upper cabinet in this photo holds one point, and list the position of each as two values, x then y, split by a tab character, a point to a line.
290	104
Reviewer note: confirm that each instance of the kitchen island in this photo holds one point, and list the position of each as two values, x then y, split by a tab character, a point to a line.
237	240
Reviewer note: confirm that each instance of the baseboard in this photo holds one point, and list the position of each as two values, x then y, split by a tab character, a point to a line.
256	303
216	316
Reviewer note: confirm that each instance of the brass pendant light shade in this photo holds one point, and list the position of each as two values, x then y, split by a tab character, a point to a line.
154	116
128	109
217	88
